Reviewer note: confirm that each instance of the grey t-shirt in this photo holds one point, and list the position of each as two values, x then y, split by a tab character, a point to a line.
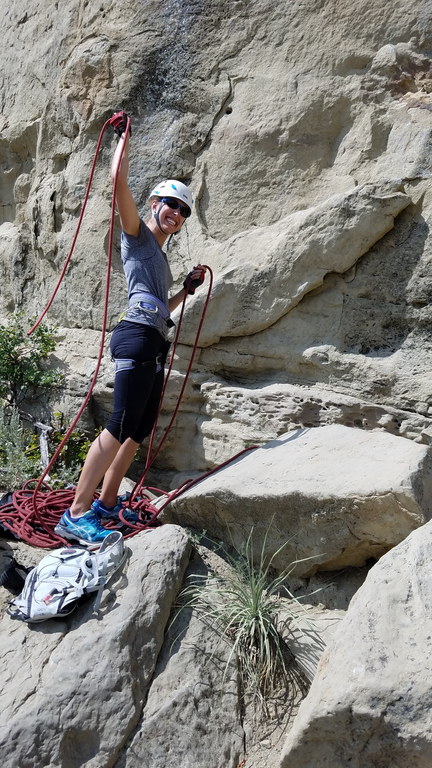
147	274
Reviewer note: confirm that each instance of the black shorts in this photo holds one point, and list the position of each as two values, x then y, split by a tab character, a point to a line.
138	380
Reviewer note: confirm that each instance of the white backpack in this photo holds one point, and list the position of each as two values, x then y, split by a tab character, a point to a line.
56	585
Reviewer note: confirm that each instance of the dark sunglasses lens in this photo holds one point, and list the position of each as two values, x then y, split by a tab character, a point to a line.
174	204
171	202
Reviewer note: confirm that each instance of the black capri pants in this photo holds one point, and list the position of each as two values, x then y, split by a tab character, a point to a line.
138	380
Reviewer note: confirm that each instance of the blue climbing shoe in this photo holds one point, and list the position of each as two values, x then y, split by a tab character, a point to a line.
85	529
112	513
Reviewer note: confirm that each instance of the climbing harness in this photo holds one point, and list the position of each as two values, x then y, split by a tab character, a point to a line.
127	364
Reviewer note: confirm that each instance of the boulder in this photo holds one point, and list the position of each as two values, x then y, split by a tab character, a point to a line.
370	702
74	689
330	497
192	715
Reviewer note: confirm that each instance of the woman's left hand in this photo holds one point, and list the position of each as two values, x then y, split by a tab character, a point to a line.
194	279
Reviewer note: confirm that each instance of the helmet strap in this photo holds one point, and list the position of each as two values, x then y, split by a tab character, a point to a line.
156	217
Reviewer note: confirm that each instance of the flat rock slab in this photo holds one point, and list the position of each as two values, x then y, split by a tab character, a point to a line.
332	497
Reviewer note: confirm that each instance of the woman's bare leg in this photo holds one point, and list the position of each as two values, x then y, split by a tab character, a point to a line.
102	453
116	472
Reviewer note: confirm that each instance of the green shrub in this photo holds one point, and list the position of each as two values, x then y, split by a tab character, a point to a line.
72	456
16	466
20	452
23	361
25	373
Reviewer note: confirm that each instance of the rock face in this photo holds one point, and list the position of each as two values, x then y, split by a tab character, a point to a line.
271	270
330	497
370	701
305	139
74	691
192	713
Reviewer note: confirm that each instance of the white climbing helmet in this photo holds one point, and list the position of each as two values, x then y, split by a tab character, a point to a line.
173	188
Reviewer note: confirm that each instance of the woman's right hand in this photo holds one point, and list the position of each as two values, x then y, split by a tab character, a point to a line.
119	122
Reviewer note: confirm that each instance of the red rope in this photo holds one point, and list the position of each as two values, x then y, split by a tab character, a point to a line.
32	512
152	456
153	512
37	527
105	308
86	196
35	510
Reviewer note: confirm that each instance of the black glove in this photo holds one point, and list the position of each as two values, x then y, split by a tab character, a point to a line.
194	279
119	123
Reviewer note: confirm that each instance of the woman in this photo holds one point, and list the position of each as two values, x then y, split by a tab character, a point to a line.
138	345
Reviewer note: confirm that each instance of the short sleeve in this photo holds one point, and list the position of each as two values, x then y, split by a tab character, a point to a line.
144	243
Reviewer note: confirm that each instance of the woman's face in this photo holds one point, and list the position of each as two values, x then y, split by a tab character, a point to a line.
170	219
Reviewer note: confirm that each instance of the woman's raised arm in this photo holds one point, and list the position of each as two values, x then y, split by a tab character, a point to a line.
126	206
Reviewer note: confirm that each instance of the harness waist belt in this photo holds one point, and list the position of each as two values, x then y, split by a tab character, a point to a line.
158	306
147	299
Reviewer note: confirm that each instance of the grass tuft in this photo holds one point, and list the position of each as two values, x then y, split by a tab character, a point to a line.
242	603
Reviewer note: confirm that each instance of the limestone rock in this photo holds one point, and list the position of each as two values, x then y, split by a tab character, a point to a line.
269	271
303	136
333	496
370	701
73	690
192	713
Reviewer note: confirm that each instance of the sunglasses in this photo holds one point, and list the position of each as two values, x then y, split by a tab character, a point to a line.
171	202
